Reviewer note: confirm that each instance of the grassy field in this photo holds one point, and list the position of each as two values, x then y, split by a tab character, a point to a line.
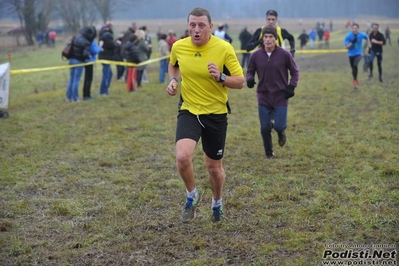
94	182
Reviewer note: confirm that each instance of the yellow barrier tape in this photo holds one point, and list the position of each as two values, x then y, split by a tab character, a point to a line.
33	70
147	62
320	51
310	51
110	62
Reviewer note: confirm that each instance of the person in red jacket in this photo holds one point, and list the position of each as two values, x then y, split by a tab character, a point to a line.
171	39
326	38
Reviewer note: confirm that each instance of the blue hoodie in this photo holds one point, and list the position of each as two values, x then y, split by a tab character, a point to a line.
94	51
357	48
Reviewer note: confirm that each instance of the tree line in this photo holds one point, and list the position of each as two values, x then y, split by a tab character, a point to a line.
36	15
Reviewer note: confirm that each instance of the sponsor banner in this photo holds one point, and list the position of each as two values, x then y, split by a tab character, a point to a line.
4	84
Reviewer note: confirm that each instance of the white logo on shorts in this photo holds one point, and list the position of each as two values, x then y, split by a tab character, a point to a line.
220	152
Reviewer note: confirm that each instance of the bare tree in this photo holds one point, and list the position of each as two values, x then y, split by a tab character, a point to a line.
25	13
76	13
105	8
44	14
33	15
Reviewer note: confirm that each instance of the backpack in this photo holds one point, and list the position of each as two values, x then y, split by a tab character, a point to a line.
67	52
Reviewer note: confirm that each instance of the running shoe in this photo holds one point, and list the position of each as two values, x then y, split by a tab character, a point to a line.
281	139
355	84
189	212
217	214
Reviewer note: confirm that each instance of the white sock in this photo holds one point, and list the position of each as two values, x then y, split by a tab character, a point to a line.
217	203
193	194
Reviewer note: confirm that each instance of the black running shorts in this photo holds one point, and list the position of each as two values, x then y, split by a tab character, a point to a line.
211	129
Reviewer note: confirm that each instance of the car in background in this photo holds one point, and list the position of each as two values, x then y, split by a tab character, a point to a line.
59	29
16	31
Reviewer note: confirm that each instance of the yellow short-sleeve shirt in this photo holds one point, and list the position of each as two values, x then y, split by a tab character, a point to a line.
201	94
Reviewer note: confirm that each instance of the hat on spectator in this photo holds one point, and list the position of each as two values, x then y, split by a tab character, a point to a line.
269	30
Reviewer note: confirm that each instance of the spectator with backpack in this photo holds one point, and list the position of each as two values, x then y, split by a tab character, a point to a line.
80	52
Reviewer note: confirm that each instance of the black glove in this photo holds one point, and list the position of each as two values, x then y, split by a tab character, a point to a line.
292	51
251	83
289	92
354	40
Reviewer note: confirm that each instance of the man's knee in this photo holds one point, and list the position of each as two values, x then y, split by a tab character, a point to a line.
215	169
183	159
266	128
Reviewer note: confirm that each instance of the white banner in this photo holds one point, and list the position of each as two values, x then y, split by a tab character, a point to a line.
4	84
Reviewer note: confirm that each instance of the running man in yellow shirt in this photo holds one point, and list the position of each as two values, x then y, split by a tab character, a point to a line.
207	67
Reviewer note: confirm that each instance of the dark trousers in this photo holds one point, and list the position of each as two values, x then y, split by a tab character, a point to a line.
87	81
139	77
119	71
379	60
354	61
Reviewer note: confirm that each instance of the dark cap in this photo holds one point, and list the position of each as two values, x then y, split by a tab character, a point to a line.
271	12
269	30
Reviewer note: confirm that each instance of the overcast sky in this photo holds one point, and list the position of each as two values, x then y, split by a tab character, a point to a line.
242	9
153	9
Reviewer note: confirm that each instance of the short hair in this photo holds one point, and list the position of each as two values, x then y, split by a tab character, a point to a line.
376	24
199	12
163	36
271	12
355	24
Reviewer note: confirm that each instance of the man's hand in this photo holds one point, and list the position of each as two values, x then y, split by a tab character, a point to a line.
251	83
354	40
292	51
289	92
213	69
172	87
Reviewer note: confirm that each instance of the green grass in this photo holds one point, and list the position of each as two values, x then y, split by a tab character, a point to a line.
94	182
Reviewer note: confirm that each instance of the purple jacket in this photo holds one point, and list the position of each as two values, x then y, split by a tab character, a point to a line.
272	73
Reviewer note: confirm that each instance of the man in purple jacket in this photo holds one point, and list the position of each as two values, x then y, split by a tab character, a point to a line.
272	63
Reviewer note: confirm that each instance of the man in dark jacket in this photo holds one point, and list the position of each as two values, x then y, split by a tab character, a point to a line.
377	40
273	65
245	36
126	36
282	34
107	53
80	52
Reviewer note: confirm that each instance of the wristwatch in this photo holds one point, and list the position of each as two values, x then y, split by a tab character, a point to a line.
222	78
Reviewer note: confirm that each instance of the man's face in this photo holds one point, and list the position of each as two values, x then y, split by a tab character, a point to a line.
271	20
269	41
355	29
200	29
375	28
